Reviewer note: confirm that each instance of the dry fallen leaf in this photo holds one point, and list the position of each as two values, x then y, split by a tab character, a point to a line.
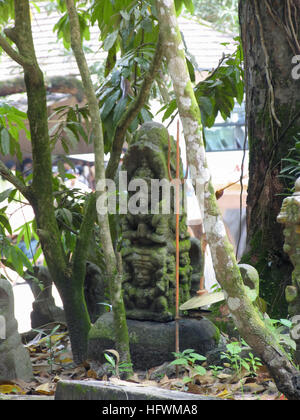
45	389
164	380
92	374
11	388
134	378
224	394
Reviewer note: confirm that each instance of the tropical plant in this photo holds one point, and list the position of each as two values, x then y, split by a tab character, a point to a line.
52	342
189	360
281	330
291	163
115	366
237	361
218	92
12	121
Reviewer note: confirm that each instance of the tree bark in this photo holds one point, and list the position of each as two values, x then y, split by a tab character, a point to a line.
245	315
39	193
121	331
273	118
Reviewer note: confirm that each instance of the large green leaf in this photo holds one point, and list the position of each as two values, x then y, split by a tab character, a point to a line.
109	103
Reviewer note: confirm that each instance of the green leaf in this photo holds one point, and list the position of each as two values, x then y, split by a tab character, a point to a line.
286	322
109	104
205	104
125	15
189	6
234	348
200	370
14	257
245	365
4	221
188	351
71	137
197	356
5	194
110	359
67	216
178	6
110	40
5	141
191	70
171	108
119	110
146	115
183	362
146	24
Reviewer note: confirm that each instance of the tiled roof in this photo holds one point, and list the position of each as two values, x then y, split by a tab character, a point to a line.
201	39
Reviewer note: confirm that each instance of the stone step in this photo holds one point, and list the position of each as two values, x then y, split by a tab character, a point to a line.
106	391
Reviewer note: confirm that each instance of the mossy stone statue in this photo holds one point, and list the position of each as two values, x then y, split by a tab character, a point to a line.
290	217
149	248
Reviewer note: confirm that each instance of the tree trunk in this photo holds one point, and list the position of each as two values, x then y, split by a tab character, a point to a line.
40	193
121	331
269	36
246	317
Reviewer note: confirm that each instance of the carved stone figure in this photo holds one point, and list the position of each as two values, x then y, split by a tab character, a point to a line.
149	248
44	309
290	217
149	262
14	358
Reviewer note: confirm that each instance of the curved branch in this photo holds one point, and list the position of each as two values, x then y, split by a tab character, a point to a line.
82	242
133	111
13	54
10	177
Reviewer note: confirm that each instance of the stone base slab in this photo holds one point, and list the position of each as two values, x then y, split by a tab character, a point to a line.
106	391
152	343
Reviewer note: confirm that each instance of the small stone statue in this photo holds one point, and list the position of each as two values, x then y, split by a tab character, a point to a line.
14	358
149	247
290	217
44	309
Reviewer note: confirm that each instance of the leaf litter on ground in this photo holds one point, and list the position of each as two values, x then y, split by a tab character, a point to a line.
54	363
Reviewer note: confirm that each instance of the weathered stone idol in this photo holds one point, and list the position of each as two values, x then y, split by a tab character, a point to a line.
149	263
44	309
290	217
14	358
150	247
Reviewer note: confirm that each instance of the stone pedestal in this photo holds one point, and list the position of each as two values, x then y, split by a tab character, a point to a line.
14	358
152	343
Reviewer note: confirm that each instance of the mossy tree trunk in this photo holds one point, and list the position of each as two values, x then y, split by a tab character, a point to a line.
68	282
112	268
246	317
270	33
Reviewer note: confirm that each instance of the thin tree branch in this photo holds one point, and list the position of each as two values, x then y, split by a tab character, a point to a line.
13	54
10	177
82	243
121	330
133	111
